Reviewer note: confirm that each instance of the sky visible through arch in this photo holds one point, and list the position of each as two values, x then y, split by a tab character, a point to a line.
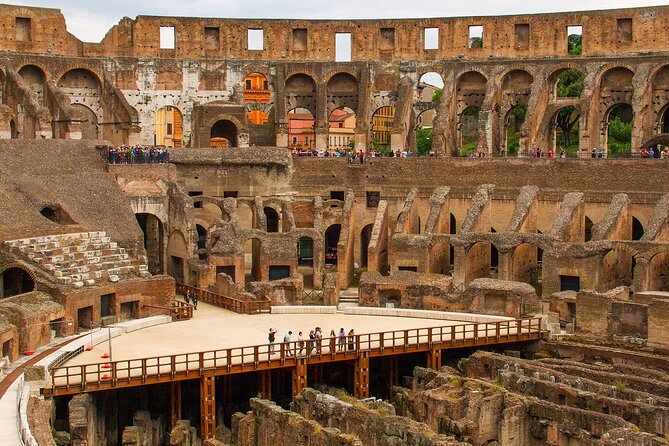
89	21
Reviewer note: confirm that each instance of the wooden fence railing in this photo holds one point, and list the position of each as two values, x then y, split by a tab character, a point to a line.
179	311
227	302
90	377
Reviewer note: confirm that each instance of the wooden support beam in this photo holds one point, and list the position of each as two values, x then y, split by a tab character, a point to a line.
361	376
265	384
392	369
434	359
175	403
299	376
208	407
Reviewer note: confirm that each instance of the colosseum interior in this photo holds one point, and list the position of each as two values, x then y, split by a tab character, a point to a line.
500	299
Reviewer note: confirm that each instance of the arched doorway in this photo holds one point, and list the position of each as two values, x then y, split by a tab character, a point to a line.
514	122
365	237
566	130
619	129
471	88
305	260
382	124
272	217
658	272
177	249
524	267
201	242
35	78
16	281
588	229
89	122
252	251
332	234
223	134
168	128
152	228
637	229
469	130
256	91
478	261
301	132
341	129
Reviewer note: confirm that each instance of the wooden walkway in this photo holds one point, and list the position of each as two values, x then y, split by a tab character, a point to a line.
361	347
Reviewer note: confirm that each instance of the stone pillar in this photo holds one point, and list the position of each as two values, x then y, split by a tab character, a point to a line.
642	275
361	376
459	265
505	266
208	407
330	289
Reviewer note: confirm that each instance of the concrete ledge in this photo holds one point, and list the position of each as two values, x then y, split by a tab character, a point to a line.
425	314
138	324
304	309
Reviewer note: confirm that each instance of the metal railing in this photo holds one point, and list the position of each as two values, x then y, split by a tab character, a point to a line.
157	369
226	302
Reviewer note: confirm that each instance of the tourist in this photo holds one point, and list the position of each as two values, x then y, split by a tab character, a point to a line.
342	338
271	336
550	154
333	341
351	339
300	342
286	343
187	296
194	301
593	153
312	341
600	153
319	340
563	155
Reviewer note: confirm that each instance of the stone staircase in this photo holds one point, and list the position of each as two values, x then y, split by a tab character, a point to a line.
348	298
79	259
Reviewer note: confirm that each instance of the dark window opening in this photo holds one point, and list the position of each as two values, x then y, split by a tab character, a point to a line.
373	199
570	283
588	229
228	270
23	29
196	193
637	229
278	272
337	195
129	310
57	214
16	281
107	305
272	217
408	268
230	194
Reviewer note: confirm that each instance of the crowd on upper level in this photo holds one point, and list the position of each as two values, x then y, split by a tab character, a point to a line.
137	155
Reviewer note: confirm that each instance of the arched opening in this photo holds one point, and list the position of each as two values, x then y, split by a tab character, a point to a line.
301	132
665	121
365	237
12	130
201	242
616	269
566	130
452	231
619	129
525	264
16	281
569	84
177	249
494	257
305	260
256	91
89	122
57	214
272	217
637	229
429	90
332	234
658	272
152	228
514	122
469	130
478	261
471	90
588	229
168	127
223	134
342	91
382	124
35	78
252	250
341	129
245	215
83	88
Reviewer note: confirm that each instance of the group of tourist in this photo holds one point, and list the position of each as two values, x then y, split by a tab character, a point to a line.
313	344
137	155
658	152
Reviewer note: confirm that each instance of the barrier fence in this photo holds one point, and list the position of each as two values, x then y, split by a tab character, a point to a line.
226	302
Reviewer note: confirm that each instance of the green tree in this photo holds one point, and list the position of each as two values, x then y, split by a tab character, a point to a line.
424	141
436	97
476	42
575	44
566	120
570	84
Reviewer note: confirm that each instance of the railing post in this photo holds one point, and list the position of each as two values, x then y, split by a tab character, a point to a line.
434	359
299	376
361	376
